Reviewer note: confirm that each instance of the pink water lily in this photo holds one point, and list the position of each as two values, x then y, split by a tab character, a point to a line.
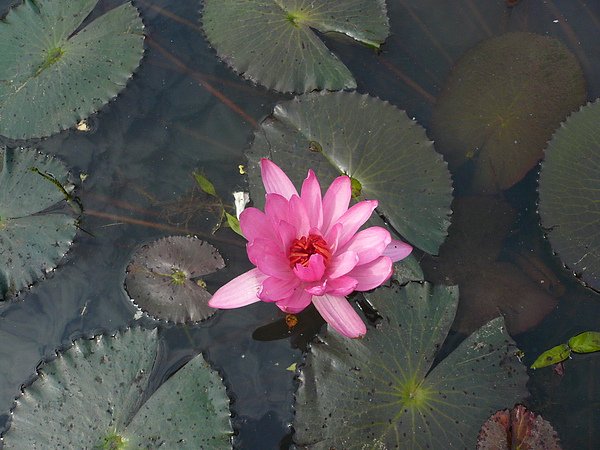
307	248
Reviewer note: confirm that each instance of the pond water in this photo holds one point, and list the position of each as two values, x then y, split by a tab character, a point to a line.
183	110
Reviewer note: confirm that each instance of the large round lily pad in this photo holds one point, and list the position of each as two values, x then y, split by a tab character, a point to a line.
273	42
163	278
94	396
52	73
569	193
501	104
373	142
31	242
382	392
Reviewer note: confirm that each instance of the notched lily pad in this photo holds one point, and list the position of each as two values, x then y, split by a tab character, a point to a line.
31	241
273	42
53	74
382	392
163	278
94	396
371	141
501	103
569	186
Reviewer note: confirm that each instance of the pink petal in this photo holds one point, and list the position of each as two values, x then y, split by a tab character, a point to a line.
332	237
317	288
296	302
372	274
341	264
287	234
254	224
338	313
298	216
314	271
397	250
240	291
269	258
336	201
368	244
354	218
275	180
274	289
341	286
311	197
277	208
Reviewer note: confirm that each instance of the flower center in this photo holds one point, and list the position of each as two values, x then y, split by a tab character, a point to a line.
302	249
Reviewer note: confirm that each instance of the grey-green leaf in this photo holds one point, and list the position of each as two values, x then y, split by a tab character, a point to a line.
381	391
31	242
53	74
163	278
373	142
92	394
273	42
569	186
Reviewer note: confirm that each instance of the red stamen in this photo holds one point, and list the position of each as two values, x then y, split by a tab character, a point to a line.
302	249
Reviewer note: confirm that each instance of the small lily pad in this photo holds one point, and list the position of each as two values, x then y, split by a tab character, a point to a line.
163	278
569	186
273	42
31	241
371	141
92	396
382	391
52	73
501	103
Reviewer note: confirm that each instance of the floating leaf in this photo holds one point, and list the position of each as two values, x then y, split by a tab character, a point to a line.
518	428
569	186
553	356
501	103
91	396
205	184
374	143
31	243
234	224
52	73
163	278
273	42
382	392
587	342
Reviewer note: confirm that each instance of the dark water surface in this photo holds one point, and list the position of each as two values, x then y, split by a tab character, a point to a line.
168	121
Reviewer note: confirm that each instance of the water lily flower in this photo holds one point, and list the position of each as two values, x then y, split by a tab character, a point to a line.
308	248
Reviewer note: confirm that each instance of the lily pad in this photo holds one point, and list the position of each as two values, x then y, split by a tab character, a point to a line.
501	104
52	73
31	241
273	42
382	391
569	186
163	278
384	151
92	396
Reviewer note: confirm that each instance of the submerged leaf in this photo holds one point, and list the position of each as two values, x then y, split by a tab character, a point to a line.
372	142
162	278
52	73
273	42
382	392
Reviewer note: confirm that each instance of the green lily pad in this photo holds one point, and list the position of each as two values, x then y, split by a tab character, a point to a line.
373	142
569	186
163	278
92	396
501	103
53	74
31	242
382	392
273	42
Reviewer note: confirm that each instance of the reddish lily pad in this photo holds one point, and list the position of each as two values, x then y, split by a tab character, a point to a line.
163	278
501	103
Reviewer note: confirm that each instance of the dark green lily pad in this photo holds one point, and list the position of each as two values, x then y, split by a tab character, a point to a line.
92	396
373	142
31	244
163	278
273	42
53	74
382	392
569	186
501	104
